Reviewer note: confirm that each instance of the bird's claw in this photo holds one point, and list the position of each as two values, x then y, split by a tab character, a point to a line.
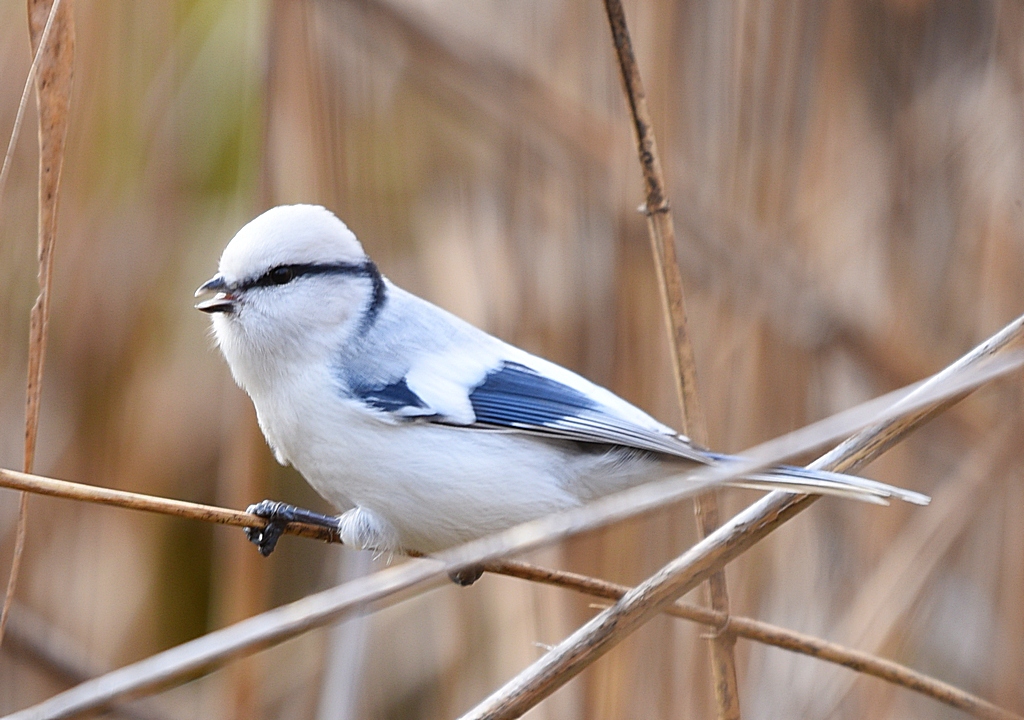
278	515
467	575
265	538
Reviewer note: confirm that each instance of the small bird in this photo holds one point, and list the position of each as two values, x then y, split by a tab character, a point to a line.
424	430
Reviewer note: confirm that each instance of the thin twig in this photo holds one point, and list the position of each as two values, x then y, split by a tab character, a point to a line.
136	501
390	585
661	230
769	634
734	538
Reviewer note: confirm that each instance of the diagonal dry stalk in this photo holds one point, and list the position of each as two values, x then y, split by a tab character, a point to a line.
393	584
737	536
52	72
662	233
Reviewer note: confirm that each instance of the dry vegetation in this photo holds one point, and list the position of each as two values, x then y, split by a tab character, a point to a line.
846	184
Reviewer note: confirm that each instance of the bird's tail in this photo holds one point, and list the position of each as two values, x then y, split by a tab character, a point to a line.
810	482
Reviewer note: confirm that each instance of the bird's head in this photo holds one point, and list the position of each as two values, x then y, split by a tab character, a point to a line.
292	282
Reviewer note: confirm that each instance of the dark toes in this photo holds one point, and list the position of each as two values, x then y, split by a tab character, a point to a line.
277	516
265	539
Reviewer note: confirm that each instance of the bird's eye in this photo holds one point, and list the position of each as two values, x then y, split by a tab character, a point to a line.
281	275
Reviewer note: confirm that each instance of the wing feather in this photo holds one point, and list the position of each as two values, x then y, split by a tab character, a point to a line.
516	396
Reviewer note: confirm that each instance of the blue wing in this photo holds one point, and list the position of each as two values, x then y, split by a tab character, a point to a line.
516	396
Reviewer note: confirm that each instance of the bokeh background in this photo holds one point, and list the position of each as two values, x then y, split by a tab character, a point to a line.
846	180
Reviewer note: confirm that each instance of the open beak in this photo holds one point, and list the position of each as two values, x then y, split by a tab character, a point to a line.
222	302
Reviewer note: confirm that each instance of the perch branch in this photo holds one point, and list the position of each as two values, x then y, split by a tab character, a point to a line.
136	501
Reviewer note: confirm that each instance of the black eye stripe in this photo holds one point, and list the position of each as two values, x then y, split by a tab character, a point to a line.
283	274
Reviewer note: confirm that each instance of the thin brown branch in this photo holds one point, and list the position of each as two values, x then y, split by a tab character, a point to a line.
53	98
136	501
51	70
660	227
734	538
391	585
769	634
743	627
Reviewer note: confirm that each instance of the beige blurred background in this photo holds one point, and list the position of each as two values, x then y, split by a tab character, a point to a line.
846	178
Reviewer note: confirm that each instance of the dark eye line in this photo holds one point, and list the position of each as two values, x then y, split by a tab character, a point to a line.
284	274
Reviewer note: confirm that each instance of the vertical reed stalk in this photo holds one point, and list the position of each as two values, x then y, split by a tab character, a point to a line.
661	230
51	26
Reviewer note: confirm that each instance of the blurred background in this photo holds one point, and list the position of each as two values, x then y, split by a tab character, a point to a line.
846	180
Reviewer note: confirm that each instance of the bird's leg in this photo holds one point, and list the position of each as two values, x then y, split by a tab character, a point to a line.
358	527
278	515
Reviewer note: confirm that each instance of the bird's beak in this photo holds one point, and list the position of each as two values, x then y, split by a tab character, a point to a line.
222	302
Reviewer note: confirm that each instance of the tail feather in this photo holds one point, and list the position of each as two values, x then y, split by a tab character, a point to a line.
807	481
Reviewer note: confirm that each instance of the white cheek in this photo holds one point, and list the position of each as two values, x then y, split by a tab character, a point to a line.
275	328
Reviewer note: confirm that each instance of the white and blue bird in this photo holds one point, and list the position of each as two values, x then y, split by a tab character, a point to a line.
422	429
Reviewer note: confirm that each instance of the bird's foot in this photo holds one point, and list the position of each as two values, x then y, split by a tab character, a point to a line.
278	515
467	575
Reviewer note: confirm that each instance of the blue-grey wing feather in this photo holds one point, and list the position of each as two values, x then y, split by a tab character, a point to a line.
516	396
395	397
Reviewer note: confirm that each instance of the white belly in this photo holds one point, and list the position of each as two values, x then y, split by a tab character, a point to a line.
436	485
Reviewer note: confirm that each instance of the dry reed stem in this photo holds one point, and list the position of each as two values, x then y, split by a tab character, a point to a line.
389	586
772	635
52	67
661	230
738	535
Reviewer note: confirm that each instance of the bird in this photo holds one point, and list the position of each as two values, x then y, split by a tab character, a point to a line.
423	430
